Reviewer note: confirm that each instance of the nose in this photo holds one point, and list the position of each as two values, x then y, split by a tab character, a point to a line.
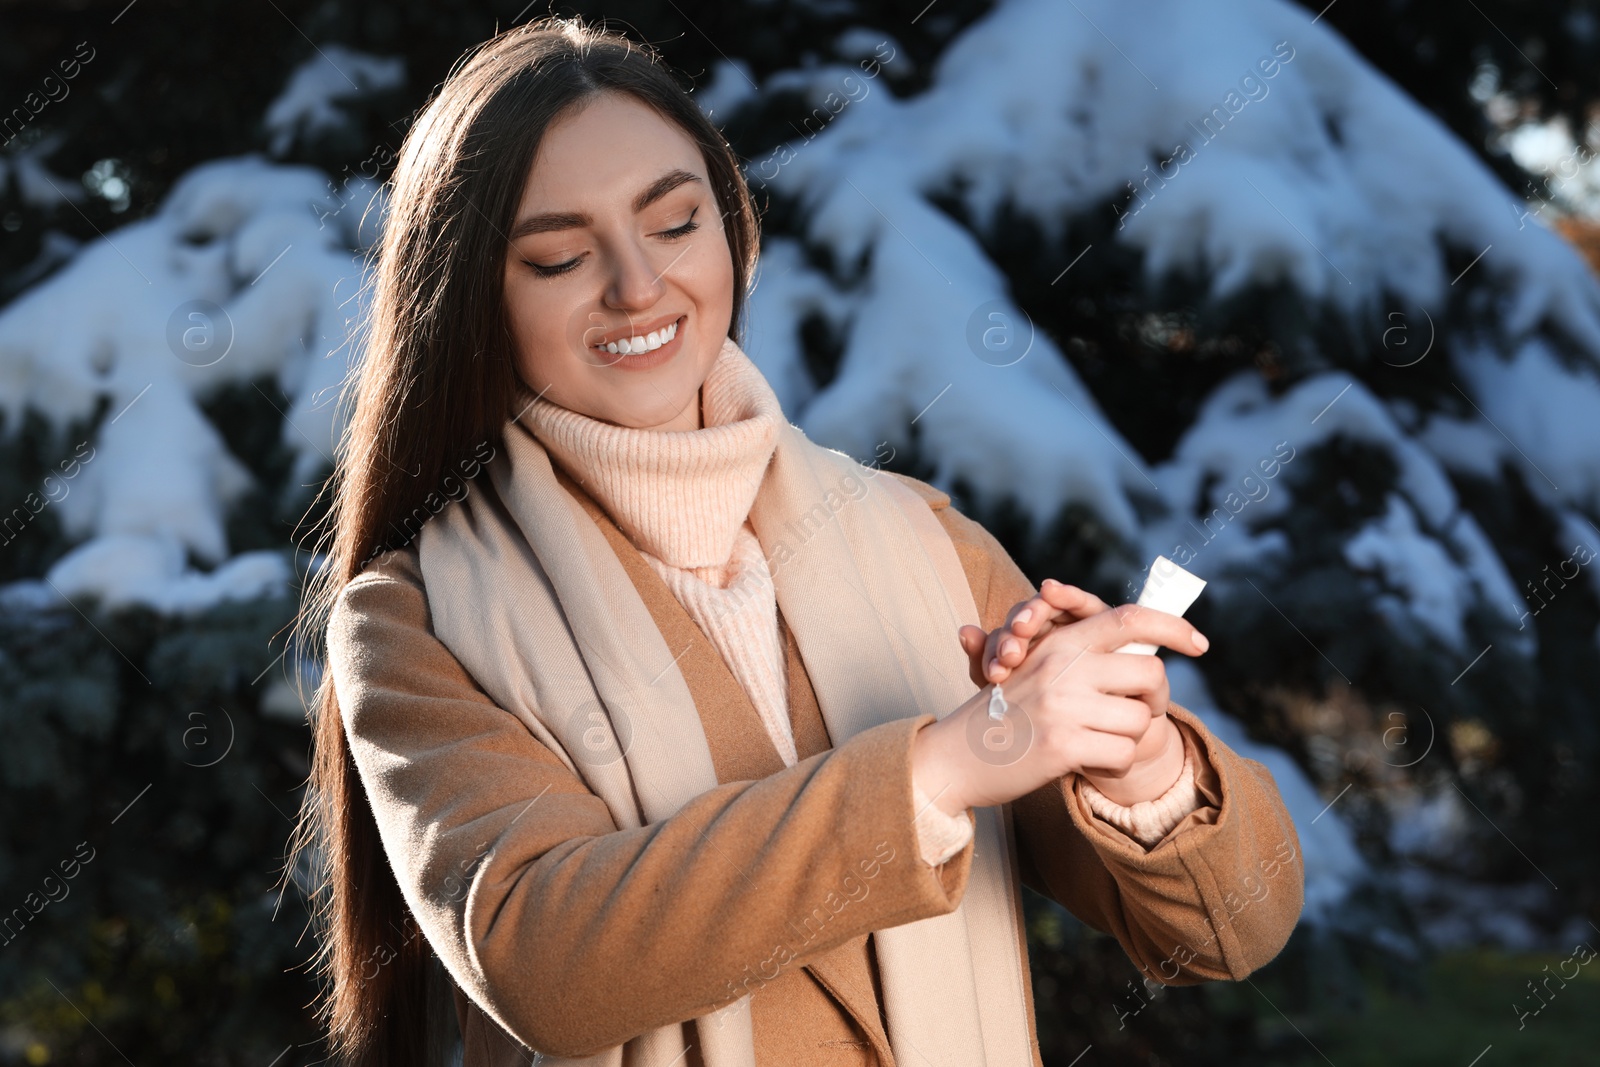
635	283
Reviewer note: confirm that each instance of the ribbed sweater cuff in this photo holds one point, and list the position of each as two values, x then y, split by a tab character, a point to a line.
939	836
1149	821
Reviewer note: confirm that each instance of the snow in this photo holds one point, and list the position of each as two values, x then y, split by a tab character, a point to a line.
1416	575
1431	831
862	45
1434	560
1547	413
277	251
148	570
160	469
309	103
728	88
234	280
1469	446
1323	173
1452	912
1580	542
786	293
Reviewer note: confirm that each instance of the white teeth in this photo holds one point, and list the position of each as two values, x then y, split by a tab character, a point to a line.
628	346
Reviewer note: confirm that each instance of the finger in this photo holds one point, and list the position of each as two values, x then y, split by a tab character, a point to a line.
1025	624
998	658
1131	623
1031	619
1119	716
1054	601
1120	675
1028	616
1011	647
1008	647
1104	755
1055	604
973	640
1143	677
1070	598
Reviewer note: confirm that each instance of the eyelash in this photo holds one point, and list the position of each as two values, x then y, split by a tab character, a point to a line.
673	234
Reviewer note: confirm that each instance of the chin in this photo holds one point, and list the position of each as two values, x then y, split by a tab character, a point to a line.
654	408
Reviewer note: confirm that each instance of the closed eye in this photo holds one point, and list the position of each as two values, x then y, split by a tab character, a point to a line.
673	234
686	229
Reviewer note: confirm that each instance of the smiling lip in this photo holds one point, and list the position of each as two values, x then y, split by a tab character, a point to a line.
646	360
626	332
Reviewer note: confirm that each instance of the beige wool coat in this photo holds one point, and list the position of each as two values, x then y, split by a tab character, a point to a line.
562	934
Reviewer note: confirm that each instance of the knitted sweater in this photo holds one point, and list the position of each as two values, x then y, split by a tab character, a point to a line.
683	498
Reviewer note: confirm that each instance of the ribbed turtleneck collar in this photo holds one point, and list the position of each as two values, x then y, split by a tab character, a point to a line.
680	495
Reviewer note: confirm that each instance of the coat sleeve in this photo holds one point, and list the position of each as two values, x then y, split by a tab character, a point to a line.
1217	897
576	936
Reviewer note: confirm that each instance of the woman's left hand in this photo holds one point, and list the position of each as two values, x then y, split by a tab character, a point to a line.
1157	764
1158	756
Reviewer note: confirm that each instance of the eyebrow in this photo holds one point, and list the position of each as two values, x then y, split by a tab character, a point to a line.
567	220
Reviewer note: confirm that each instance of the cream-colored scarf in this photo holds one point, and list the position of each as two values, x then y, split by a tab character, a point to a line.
874	593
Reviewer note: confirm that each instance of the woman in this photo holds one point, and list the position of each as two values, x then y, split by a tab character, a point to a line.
657	743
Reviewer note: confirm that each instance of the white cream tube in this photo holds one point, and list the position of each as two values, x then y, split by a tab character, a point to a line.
1169	588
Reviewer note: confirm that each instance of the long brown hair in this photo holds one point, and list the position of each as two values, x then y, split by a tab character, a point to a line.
436	385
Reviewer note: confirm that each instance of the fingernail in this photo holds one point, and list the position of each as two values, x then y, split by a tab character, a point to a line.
1025	614
1201	641
1008	646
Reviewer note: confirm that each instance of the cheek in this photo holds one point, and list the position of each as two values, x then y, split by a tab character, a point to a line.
708	280
537	324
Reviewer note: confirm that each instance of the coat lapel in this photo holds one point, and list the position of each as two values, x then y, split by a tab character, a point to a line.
741	749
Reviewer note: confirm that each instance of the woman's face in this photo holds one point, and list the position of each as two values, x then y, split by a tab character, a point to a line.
617	237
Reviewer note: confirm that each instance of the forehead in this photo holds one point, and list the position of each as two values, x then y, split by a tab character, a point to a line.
605	150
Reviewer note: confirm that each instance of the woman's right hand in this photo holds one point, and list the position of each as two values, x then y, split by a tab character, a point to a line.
1075	705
